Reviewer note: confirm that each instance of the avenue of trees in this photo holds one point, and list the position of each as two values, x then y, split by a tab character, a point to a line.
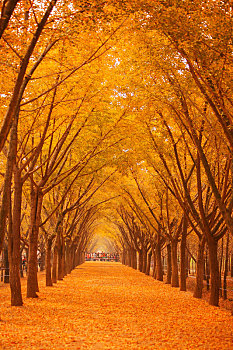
117	112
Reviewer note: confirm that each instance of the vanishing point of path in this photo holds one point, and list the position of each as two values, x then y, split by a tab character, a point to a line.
105	305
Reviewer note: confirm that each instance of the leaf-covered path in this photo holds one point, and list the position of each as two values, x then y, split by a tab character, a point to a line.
110	306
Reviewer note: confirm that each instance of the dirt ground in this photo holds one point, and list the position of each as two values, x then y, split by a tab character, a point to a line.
103	305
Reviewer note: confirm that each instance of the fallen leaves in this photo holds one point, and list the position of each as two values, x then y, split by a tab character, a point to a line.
110	306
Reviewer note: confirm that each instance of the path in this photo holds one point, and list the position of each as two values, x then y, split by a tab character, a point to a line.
109	306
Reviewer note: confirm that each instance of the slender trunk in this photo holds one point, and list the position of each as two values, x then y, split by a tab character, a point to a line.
123	257
226	269
59	255
6	191
68	258
159	267
175	275
144	260
14	243
54	266
148	263
169	264
183	257
187	264
60	273
214	272
48	262
129	257
6	265
232	263
220	269
36	204
64	258
154	259
200	269
140	260
135	259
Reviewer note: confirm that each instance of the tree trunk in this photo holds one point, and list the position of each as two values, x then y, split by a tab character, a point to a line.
6	265
175	275
144	260
232	263
226	269
64	258
169	264
214	272
183	257
14	243
123	257
59	231
48	262
200	269
54	267
158	257
59	255
148	263
36	204
220	269
154	259
6	191
135	259
140	260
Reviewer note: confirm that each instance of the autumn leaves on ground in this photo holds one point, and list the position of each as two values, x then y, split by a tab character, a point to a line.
103	305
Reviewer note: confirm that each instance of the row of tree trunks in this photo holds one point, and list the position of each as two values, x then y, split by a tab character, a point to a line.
72	257
175	278
129	258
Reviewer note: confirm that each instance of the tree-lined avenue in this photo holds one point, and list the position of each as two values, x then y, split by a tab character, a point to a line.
104	305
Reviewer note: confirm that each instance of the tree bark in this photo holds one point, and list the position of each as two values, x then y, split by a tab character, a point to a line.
7	11
14	221
200	269
148	263
169	264
140	260
123	257
183	257
214	272
226	269
175	275
59	255
232	263
54	266
135	259
48	262
154	260
64	258
36	204
159	267
6	265
144	260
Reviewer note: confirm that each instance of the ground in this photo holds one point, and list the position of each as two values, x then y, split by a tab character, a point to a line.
103	305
